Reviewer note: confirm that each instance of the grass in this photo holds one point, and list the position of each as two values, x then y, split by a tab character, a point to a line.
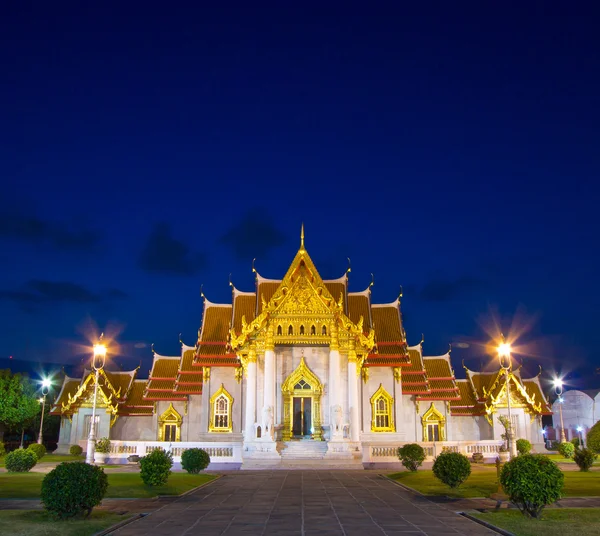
39	523
53	458
120	485
564	521
559	459
482	483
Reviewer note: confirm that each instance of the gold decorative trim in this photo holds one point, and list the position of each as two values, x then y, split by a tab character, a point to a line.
220	419
170	417
433	416
382	414
398	374
288	390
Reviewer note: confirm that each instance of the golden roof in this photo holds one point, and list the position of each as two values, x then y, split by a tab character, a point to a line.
135	404
68	390
359	306
244	306
266	289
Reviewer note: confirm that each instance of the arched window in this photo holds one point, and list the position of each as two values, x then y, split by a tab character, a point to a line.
290	330
220	411
169	425
313	330
302	330
433	425
279	330
324	330
382	416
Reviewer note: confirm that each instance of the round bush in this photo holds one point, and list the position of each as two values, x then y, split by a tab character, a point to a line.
20	461
452	468
155	468
75	450
195	460
411	456
72	488
39	450
576	442
593	438
2	449
103	445
584	458
532	481
523	446
566	450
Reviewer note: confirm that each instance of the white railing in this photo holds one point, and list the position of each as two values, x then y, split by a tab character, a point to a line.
387	453
220	452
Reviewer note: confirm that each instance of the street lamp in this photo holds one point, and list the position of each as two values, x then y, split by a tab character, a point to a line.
580	430
98	363
558	386
45	389
504	357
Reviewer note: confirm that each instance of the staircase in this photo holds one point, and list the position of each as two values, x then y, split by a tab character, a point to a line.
302	450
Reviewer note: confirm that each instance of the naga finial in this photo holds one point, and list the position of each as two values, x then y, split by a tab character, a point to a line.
253	269
349	266
230	283
450	348
372	280
152	348
422	338
180	341
302	236
202	291
401	292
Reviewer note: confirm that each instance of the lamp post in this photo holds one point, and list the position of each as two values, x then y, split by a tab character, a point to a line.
558	386
505	363
98	363
580	430
45	389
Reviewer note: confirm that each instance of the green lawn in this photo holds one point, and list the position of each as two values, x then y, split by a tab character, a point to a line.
54	458
564	521
482	483
38	523
559	459
120	485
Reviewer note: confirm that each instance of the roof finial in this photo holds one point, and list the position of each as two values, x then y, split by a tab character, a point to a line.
253	269
101	337
302	236
230	283
401	292
202	292
180	341
449	347
349	266
152	347
372	281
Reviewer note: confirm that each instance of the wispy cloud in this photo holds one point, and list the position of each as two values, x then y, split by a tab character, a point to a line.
255	235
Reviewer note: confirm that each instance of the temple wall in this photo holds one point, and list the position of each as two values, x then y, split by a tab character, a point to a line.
191	423
221	376
135	428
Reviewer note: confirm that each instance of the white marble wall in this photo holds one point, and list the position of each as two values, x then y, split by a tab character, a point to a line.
135	428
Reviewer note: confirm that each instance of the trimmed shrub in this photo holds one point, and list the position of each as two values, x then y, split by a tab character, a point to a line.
523	446
566	450
20	461
411	456
155	468
452	468
2	449
584	458
532	481
73	488
103	445
576	442
195	460
553	445
75	450
593	438
39	450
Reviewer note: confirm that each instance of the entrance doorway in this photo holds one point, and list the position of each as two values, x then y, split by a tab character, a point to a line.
302	416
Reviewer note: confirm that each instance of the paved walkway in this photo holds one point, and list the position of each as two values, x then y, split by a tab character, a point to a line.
323	503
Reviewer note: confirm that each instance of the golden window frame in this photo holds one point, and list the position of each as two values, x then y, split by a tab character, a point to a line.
381	395
214	414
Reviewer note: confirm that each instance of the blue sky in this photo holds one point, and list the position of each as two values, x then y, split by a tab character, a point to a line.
148	149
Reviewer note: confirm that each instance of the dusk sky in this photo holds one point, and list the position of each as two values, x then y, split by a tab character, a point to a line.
147	149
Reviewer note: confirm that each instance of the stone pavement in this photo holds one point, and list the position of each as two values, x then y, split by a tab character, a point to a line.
348	503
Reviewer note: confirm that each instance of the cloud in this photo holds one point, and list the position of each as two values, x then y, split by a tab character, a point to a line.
32	230
440	290
254	236
39	291
164	254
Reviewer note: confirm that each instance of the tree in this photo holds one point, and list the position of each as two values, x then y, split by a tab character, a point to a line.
18	401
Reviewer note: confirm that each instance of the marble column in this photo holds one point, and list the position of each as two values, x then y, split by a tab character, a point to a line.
250	417
335	413
353	402
269	386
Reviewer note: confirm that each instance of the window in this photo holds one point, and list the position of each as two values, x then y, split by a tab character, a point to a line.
301	330
302	385
433	425
169	425
290	330
382	417
220	418
313	330
324	330
279	330
86	425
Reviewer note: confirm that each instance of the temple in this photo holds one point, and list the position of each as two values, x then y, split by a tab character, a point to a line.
301	369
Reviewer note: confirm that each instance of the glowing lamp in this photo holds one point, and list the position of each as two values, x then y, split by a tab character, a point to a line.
504	349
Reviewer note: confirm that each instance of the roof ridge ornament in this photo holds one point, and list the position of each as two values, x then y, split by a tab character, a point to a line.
302	236
349	269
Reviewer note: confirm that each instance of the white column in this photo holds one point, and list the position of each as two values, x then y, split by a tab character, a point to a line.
269	383
334	384
250	417
353	402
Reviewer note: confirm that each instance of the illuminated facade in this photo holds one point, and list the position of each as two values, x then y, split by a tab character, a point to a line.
301	368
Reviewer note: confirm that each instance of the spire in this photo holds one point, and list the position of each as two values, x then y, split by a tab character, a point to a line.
302	236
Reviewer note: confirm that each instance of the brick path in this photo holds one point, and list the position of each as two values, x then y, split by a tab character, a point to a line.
321	503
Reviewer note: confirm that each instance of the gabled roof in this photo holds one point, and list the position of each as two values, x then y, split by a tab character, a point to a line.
359	306
212	347
389	336
467	405
442	382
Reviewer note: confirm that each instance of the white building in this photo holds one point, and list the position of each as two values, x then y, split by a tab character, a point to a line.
301	368
580	409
